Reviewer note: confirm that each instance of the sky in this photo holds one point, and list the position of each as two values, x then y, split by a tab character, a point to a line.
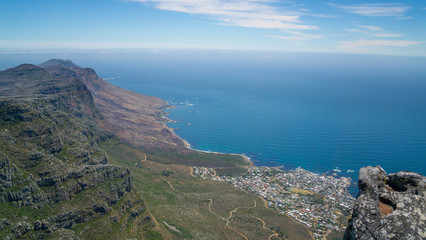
335	26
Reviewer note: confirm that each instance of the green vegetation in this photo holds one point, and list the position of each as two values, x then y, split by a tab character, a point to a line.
200	208
195	158
231	171
55	180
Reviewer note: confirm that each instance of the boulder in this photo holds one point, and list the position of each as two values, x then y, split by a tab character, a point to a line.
388	206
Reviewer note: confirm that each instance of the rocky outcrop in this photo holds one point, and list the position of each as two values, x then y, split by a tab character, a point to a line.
389	206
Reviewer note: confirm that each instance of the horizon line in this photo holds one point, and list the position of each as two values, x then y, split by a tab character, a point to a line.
57	50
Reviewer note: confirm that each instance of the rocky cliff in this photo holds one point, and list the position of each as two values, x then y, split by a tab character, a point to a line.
135	118
55	180
389	206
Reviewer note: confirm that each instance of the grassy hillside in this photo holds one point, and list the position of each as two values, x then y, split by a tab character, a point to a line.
192	208
55	179
196	158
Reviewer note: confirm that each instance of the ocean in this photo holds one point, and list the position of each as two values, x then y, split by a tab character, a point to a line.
327	113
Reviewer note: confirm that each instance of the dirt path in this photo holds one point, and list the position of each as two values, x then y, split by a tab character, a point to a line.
227	220
171	186
309	231
264	227
236	210
235	230
264	202
143	160
326	235
224	232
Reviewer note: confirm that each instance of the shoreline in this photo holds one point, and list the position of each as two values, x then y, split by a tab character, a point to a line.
242	155
246	159
250	163
187	144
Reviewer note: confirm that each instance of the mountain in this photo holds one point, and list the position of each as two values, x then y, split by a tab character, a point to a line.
388	206
55	62
55	178
138	119
76	153
135	118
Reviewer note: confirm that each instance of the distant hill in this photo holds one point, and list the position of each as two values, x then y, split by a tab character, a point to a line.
54	62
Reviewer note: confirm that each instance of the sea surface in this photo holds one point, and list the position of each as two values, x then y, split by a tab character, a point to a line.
321	112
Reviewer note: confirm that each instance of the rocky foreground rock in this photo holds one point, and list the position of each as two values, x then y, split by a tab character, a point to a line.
389	206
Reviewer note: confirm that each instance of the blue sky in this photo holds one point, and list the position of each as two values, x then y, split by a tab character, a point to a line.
365	27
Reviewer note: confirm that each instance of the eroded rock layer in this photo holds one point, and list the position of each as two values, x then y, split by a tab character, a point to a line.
389	206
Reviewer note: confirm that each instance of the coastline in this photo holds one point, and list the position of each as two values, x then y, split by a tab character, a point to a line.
353	188
250	163
186	144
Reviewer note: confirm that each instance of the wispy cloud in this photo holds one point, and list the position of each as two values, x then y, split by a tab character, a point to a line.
250	14
373	31
372	28
362	46
375	10
403	18
82	45
296	36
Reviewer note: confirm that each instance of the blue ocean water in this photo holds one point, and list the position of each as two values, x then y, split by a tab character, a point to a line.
316	111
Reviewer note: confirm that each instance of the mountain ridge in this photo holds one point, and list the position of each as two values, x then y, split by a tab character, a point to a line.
54	62
54	175
125	111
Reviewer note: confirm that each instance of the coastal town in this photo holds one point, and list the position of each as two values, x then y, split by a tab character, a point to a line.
319	201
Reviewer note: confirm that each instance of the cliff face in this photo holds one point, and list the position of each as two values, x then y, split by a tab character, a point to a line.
55	180
134	118
389	206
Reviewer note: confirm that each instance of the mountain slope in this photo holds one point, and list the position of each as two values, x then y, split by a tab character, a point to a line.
55	180
135	118
139	120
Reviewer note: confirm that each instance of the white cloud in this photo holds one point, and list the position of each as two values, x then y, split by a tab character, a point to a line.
6	44
250	14
403	18
375	10
296	36
363	46
373	31
372	28
385	35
